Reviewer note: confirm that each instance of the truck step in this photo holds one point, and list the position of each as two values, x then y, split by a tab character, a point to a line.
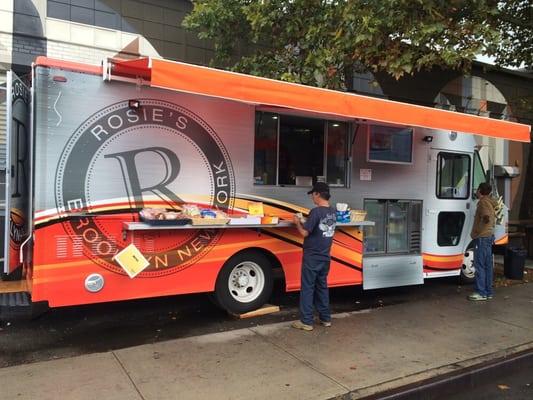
18	305
15	299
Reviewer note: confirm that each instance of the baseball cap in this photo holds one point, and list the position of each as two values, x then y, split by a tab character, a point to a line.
319	187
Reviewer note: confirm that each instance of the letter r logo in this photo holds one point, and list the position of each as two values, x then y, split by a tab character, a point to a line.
130	174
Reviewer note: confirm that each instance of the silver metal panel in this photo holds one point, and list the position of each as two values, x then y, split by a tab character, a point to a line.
7	160
3	124
389	271
17	170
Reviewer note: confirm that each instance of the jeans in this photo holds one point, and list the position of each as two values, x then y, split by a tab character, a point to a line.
314	290
483	265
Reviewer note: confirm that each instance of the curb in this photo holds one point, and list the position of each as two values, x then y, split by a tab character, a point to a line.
442	382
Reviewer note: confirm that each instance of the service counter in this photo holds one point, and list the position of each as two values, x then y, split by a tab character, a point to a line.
144	226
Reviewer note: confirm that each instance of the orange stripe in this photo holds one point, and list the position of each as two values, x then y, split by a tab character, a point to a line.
440	258
67	277
503	240
125	206
69	65
262	242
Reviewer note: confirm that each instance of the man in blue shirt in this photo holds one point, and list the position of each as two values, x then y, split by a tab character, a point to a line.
318	231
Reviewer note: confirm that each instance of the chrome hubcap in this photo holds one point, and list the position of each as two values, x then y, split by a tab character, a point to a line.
468	269
246	282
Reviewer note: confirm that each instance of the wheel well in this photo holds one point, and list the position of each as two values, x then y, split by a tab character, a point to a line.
274	261
468	247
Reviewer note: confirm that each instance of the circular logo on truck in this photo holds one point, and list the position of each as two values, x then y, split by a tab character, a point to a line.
123	159
17	227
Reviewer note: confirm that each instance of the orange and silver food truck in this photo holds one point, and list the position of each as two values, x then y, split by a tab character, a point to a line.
93	147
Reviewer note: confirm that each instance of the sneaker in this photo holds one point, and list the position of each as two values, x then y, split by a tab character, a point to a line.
302	326
327	324
476	297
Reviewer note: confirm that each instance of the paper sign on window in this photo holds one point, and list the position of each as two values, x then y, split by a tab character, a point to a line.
365	174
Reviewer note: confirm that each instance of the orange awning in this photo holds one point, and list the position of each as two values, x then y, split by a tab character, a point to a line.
261	91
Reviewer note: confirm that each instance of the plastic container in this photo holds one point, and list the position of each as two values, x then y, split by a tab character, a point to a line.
343	216
513	262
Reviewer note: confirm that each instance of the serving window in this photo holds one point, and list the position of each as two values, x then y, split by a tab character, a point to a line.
298	151
390	144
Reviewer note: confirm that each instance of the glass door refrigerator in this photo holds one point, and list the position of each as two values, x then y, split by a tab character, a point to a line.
392	247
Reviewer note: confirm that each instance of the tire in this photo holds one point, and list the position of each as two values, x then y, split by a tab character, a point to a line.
244	283
468	272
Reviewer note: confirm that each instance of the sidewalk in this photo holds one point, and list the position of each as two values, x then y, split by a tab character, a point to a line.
363	353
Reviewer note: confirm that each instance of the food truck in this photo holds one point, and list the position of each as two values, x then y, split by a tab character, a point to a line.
92	148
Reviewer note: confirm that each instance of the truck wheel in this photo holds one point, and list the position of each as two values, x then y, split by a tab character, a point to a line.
468	272
244	283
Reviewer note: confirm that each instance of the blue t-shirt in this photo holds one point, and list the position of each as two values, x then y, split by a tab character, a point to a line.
321	227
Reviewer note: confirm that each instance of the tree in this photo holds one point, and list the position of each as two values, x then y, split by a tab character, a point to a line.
319	42
515	48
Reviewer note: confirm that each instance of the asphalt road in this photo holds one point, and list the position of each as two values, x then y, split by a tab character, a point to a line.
71	331
514	385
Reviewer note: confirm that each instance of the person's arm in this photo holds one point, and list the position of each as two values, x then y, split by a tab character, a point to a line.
300	227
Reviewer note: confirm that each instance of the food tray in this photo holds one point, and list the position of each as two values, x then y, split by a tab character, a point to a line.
209	221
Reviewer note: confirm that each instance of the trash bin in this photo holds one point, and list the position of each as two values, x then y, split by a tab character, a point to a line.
513	262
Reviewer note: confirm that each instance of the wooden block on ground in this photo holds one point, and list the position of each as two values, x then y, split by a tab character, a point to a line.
13	286
266	309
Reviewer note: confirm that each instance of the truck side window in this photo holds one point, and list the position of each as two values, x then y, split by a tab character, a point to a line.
479	173
450	227
301	150
266	148
337	148
453	176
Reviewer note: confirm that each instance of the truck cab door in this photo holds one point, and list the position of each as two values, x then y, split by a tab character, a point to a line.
448	211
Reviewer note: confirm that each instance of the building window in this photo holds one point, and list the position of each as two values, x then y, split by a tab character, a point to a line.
390	144
449	228
453	176
292	150
89	12
365	82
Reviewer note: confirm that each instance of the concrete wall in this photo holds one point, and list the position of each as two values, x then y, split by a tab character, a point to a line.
148	27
